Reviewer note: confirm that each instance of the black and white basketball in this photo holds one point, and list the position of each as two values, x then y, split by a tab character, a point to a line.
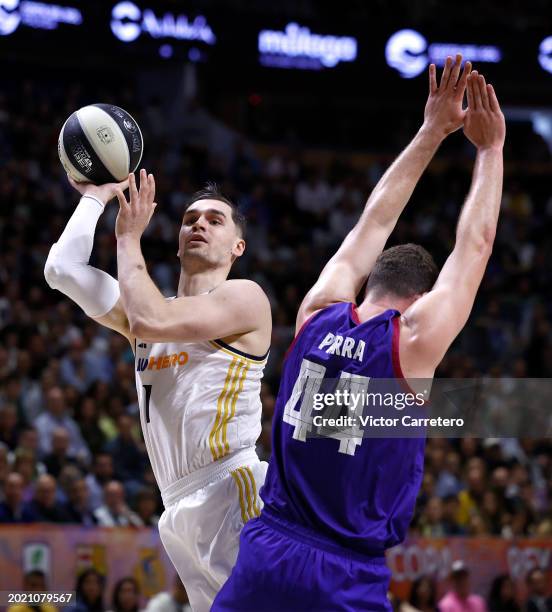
100	143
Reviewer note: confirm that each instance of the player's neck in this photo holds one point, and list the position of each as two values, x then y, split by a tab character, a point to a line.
198	283
372	307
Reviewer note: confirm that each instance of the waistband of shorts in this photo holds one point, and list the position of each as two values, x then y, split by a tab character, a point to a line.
312	538
209	473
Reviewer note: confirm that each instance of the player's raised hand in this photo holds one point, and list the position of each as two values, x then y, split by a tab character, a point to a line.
104	193
133	217
484	124
443	111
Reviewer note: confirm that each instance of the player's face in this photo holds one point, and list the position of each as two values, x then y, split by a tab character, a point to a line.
208	233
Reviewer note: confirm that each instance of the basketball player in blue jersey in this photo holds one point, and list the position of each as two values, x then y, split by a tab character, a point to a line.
199	360
333	507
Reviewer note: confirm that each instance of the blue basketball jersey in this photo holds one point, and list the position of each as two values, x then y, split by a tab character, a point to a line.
358	491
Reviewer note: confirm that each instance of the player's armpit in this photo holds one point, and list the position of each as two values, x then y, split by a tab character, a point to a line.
431	324
116	319
236	307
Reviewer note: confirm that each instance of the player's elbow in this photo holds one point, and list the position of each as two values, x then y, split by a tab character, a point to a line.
55	272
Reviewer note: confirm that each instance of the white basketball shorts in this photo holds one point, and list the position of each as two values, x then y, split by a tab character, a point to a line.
204	514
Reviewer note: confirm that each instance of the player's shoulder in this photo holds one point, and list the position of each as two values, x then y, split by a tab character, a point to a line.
243	289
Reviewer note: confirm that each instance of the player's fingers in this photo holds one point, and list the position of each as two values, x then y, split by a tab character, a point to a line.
455	71
493	100
432	79
151	183
482	85
475	91
123	185
446	72
132	188
469	92
461	86
123	204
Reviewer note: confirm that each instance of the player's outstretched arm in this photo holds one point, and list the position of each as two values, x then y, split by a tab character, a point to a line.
344	275
67	268
236	307
431	324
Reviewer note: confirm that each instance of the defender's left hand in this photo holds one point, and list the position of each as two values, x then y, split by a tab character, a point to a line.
443	112
133	218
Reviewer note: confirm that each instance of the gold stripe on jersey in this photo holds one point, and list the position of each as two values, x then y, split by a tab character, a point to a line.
256	509
230	352
240	490
230	416
227	408
220	402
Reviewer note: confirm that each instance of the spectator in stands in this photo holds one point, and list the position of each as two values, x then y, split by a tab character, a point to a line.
114	512
146	506
102	473
34	581
59	456
128	458
77	507
12	509
459	598
26	465
537	600
43	507
56	416
126	596
431	521
4	467
471	497
89	592
9	430
174	601
502	597
88	420
423	597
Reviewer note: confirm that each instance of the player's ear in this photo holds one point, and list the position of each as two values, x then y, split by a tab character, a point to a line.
238	248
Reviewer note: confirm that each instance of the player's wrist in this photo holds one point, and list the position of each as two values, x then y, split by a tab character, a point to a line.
432	134
495	148
95	198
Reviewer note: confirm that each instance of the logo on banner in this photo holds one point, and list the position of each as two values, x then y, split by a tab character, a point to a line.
149	572
37	556
298	47
128	21
91	555
38	15
408	52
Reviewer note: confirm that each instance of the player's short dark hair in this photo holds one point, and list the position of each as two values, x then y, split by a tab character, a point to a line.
405	270
212	192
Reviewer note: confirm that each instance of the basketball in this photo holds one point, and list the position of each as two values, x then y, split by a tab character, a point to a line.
100	143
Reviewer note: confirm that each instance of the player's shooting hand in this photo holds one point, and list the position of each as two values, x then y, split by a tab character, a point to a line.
133	217
443	111
104	193
484	124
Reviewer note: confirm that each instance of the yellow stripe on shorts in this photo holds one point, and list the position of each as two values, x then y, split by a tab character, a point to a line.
256	509
237	479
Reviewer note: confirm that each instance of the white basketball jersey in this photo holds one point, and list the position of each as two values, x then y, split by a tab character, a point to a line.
199	402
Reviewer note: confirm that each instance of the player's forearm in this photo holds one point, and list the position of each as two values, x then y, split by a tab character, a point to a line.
478	220
143	301
67	268
391	194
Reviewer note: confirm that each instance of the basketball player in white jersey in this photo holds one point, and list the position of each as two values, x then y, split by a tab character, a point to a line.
199	362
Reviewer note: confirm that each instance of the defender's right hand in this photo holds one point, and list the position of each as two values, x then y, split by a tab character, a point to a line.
104	193
484	124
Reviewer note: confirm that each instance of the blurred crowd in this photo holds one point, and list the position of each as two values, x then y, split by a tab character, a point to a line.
71	449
